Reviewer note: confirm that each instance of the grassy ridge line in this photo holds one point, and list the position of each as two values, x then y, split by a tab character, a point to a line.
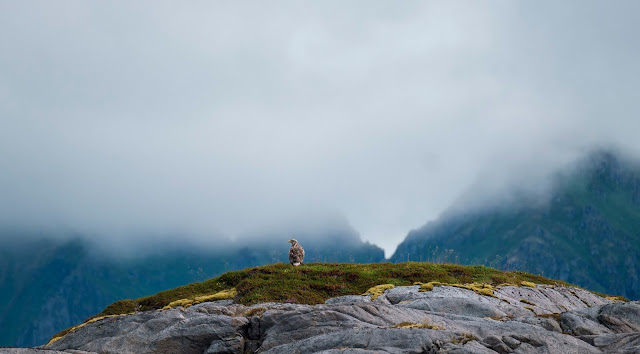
313	283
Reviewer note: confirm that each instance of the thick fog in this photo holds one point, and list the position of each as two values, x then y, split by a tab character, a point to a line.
220	119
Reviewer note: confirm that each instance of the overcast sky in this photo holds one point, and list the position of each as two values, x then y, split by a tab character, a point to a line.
219	118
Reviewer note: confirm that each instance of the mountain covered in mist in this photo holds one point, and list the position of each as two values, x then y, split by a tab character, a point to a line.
586	232
49	284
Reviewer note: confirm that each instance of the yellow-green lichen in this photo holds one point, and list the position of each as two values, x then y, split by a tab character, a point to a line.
485	292
221	295
528	283
478	288
181	302
424	325
616	298
378	290
74	328
427	286
525	301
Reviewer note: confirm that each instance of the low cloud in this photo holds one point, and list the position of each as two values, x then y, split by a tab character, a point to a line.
214	120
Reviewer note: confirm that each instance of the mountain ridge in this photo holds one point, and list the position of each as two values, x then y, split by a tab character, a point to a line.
587	232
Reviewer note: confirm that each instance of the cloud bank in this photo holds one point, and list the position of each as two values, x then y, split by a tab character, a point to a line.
215	119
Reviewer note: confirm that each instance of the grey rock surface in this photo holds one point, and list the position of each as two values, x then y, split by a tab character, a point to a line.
348	299
402	320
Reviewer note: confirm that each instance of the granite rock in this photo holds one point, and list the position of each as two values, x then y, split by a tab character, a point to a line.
403	320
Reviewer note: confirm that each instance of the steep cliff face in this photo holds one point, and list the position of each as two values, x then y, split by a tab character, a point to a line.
586	233
407	319
47	285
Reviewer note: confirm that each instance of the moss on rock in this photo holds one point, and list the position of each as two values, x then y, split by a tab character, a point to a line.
378	290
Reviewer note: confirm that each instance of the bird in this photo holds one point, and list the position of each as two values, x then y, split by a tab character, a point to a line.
296	253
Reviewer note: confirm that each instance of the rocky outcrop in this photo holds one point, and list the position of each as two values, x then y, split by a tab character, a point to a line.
447	319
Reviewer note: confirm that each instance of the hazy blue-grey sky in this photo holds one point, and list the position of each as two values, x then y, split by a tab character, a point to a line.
221	118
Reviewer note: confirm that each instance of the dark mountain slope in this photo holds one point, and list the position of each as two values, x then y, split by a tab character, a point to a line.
587	233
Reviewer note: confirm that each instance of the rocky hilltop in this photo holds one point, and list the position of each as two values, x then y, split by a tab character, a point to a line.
423	318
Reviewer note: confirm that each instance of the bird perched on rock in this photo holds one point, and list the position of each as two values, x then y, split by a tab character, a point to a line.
296	253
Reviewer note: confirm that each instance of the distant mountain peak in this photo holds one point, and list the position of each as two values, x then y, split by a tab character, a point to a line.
587	232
